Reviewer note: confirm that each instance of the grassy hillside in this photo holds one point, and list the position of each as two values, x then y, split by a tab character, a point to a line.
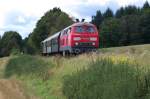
46	77
140	53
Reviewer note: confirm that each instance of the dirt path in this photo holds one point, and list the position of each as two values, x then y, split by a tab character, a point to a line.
11	89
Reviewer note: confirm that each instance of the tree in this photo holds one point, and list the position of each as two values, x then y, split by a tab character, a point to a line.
27	46
145	8
120	13
131	10
110	34
97	20
108	13
10	40
145	26
52	22
130	28
146	5
122	31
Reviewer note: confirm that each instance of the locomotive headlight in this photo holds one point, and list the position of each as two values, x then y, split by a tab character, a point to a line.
76	38
93	38
93	43
76	43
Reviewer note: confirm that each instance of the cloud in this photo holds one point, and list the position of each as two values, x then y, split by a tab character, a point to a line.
90	9
131	2
18	18
18	21
22	15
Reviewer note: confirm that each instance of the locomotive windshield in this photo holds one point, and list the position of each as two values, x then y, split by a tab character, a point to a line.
84	29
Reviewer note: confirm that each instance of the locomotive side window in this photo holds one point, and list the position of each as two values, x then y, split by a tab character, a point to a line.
68	31
63	33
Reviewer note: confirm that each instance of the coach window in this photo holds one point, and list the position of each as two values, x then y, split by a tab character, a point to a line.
53	43
49	43
56	41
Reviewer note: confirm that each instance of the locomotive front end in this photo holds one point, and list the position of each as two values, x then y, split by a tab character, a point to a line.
84	38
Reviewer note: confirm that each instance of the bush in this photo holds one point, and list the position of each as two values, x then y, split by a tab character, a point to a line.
24	65
15	51
107	80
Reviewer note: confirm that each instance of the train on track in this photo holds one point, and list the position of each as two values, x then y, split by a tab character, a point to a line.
77	38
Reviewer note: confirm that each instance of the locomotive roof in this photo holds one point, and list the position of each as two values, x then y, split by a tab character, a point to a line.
82	23
53	36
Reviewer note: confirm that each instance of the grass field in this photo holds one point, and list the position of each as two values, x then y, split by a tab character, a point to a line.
46	77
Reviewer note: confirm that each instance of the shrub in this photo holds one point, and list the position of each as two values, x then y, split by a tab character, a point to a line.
107	80
26	65
15	51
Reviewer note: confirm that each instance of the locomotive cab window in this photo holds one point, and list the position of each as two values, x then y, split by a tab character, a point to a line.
84	29
79	29
90	29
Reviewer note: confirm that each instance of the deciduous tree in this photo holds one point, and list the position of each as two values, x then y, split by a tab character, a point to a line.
10	40
52	22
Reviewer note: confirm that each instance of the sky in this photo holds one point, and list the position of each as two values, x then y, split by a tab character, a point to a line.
22	15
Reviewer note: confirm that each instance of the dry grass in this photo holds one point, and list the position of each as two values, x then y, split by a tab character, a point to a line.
11	89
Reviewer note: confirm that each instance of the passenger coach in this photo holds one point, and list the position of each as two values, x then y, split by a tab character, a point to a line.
77	38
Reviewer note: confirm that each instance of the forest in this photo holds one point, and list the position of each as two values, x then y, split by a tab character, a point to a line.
129	25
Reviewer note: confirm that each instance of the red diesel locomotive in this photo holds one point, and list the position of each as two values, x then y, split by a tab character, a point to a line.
77	38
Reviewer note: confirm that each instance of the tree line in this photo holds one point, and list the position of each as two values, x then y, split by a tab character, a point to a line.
129	25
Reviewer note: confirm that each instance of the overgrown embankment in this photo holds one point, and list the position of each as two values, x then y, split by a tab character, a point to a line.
119	73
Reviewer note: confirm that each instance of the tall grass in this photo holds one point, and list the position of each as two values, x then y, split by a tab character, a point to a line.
87	76
108	80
